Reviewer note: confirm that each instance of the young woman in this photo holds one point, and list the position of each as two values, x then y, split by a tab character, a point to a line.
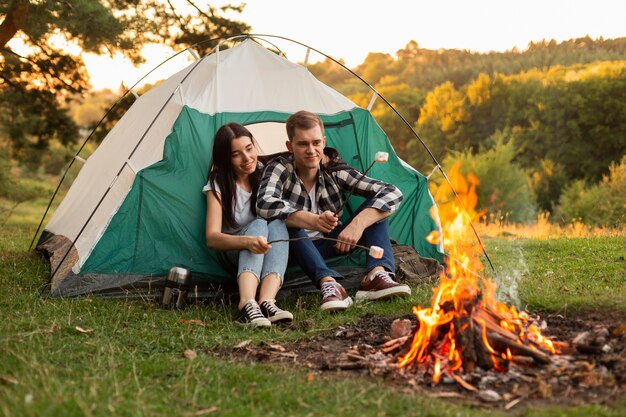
233	227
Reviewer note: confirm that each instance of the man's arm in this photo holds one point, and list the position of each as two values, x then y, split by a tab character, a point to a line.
271	202
384	196
353	231
303	219
384	200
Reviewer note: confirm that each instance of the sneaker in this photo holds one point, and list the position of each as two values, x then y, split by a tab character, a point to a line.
334	297
251	314
381	286
274	313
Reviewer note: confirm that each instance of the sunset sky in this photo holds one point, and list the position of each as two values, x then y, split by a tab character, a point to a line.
349	29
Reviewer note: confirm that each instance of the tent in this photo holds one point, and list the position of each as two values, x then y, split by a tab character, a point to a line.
136	208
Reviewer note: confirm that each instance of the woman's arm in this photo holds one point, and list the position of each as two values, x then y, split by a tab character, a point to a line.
217	240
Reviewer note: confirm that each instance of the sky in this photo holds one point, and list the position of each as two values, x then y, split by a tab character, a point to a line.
350	29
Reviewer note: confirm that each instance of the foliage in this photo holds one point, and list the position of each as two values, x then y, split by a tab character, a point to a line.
573	116
426	68
602	204
35	83
503	188
561	101
13	190
546	183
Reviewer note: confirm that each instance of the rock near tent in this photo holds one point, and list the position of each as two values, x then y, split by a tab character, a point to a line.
136	209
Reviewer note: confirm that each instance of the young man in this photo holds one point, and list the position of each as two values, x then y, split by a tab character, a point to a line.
305	189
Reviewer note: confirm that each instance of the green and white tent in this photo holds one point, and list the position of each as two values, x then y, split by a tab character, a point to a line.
136	208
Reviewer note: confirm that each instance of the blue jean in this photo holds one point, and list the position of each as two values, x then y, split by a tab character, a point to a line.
310	254
262	265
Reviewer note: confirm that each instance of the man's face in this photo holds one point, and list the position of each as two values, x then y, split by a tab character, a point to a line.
307	147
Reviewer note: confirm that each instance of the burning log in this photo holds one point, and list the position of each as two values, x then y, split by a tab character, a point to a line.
465	337
519	349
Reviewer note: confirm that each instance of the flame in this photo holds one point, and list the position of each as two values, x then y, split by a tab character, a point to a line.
464	292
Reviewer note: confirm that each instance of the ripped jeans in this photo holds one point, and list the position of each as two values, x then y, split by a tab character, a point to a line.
262	265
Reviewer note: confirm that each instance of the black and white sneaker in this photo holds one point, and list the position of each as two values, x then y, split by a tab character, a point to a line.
274	313
251	314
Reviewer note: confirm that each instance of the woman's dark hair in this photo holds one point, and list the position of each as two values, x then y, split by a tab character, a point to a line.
221	171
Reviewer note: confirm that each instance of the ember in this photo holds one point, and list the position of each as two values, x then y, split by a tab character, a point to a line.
466	326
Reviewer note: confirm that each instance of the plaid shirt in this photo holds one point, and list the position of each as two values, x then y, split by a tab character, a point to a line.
282	192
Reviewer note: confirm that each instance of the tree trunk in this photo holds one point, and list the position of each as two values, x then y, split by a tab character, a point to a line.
13	21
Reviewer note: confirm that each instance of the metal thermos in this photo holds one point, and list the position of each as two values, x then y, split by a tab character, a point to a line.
176	288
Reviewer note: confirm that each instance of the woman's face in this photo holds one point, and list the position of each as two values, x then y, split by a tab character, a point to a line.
243	156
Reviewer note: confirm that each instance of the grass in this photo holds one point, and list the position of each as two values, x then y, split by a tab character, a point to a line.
97	357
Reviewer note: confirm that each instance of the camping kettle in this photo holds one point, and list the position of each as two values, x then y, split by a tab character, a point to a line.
176	288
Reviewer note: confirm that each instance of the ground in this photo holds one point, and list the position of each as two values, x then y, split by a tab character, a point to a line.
591	369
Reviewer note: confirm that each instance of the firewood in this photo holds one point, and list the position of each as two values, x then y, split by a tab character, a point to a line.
464	339
483	356
516	348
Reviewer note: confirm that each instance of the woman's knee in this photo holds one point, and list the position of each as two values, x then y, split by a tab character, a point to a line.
277	230
257	227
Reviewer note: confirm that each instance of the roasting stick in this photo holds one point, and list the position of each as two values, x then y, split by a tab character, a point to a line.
375	252
380	157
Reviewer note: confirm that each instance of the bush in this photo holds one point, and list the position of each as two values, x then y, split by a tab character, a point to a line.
547	183
602	204
504	186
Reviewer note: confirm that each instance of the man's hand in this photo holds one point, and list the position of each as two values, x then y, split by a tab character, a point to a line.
258	244
326	222
350	235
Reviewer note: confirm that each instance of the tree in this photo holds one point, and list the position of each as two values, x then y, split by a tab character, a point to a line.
34	85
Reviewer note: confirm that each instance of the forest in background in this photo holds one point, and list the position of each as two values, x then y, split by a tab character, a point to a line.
544	129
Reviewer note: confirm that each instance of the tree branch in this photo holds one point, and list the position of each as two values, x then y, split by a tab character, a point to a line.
200	11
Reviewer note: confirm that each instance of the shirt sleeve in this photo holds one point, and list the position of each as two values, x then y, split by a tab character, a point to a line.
208	187
383	196
271	202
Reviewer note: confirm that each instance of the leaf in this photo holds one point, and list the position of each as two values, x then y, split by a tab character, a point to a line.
276	347
8	380
243	344
84	331
193	321
204	411
190	354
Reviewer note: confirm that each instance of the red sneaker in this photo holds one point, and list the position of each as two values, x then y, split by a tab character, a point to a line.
380	287
334	297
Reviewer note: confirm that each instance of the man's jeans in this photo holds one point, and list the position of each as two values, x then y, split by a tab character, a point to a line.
310	254
274	261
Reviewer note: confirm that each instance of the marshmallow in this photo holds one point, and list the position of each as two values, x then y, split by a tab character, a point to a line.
376	252
382	156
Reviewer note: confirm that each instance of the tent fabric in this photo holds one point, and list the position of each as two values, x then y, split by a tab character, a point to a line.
136	209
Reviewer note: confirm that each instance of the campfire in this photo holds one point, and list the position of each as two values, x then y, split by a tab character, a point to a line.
466	326
471	345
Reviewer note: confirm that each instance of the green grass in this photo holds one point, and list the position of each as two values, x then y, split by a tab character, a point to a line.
131	362
581	274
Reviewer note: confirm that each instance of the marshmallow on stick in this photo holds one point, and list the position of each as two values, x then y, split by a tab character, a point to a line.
382	156
376	252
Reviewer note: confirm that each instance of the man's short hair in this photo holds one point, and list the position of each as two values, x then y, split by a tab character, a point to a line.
304	120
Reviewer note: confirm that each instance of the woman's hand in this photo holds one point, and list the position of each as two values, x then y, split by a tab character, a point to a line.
258	244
